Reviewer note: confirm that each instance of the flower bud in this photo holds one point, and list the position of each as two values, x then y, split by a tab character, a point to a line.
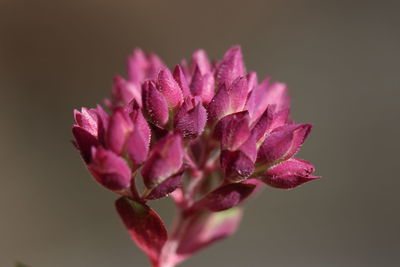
289	174
138	142
202	85
265	95
231	66
89	129
269	121
124	92
200	59
227	196
165	160
171	90
240	164
252	80
137	66
233	130
166	187
283	143
154	104
191	118
119	129
110	170
229	99
181	79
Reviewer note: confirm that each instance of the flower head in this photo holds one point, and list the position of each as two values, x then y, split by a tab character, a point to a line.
207	134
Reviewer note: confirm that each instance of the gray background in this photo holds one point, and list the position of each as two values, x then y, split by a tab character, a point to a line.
340	59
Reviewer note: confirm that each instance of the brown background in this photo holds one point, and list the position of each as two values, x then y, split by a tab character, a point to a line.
340	58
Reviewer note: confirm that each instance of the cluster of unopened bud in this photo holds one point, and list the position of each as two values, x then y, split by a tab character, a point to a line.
208	134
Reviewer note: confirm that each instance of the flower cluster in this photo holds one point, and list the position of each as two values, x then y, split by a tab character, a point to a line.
207	134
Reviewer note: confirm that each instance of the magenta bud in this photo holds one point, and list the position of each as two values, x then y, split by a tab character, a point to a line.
84	141
283	143
237	165
265	95
110	170
227	196
191	118
269	121
171	90
289	174
155	65
229	99
200	59
145	227
138	142
137	66
103	119
233	130
166	187
206	228
202	85
119	128
231	66
124	92
252	80
87	119
181	79
220	104
165	160
137	147
238	94
240	164
154	104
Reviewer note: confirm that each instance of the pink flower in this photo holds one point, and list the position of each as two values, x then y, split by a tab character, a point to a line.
206	134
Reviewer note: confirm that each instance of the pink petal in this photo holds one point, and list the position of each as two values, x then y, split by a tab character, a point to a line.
229	99
236	165
165	160
238	94
87	119
220	104
233	130
84	142
110	170
252	80
231	66
154	104
191	118
169	88
103	119
289	174
226	196
200	59
166	187
264	95
202	85
181	79
137	66
283	143
124	92
119	128
137	147
154	67
140	123
269	121
144	226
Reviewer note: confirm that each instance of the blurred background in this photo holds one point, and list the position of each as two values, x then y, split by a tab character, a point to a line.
340	59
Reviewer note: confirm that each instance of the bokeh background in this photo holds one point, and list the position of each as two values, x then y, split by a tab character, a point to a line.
340	59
